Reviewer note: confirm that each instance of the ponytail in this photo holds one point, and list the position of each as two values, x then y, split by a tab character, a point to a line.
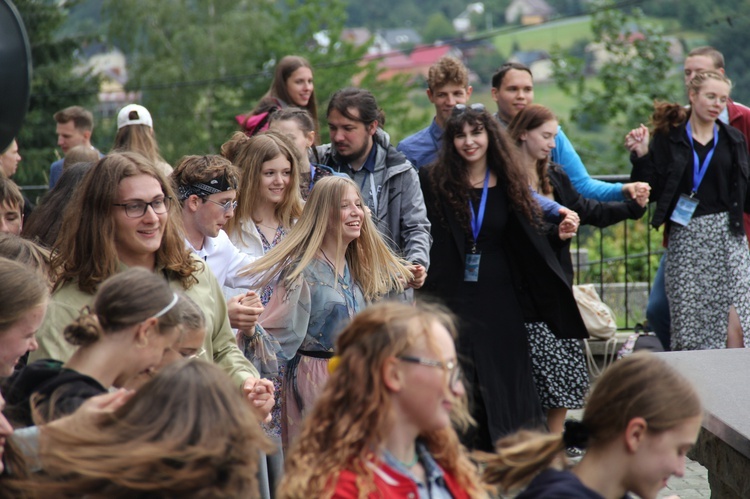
519	457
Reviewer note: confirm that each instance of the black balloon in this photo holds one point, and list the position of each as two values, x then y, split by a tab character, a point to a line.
15	73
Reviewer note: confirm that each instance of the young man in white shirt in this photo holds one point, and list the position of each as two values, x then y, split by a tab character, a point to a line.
207	187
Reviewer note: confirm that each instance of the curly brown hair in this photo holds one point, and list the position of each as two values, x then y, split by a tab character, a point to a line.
449	175
353	414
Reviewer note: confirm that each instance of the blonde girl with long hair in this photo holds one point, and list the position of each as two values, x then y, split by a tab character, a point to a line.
327	269
383	425
640	420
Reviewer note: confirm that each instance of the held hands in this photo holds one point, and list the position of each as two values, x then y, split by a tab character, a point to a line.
420	274
639	191
244	311
637	140
259	393
569	225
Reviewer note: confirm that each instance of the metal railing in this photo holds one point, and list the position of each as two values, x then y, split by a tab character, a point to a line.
627	255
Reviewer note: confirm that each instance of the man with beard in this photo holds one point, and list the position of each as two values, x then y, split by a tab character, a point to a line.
390	187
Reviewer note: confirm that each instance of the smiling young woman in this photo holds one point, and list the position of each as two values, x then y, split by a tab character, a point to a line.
331	264
559	367
383	424
485	229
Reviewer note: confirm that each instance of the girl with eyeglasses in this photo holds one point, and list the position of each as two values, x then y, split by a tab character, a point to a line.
122	217
560	372
487	234
382	426
133	322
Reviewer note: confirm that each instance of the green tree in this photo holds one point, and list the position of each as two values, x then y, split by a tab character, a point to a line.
437	27
731	35
634	65
54	86
198	63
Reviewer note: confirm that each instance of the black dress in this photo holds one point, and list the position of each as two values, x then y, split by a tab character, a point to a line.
494	336
516	261
492	342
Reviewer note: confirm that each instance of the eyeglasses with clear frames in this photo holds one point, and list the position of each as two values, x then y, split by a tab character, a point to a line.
136	209
229	205
452	367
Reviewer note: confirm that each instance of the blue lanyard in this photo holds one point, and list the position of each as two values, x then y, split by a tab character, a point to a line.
476	220
699	171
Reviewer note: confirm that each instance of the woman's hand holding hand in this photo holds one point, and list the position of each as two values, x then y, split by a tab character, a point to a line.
637	140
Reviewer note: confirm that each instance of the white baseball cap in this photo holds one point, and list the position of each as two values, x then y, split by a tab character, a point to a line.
133	114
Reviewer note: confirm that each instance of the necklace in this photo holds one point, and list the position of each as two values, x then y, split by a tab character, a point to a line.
327	259
411	463
269	227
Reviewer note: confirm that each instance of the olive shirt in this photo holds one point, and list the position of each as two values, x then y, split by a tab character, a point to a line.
220	344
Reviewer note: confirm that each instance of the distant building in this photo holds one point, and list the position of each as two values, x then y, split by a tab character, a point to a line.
111	66
538	61
528	12
417	63
388	40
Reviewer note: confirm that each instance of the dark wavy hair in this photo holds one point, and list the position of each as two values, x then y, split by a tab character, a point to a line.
449	175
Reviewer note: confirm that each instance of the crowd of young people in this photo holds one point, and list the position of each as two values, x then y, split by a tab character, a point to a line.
293	268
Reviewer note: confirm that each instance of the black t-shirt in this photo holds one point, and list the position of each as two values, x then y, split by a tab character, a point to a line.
714	191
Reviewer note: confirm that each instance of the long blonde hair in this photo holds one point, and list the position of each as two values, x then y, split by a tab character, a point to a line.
248	154
351	419
371	262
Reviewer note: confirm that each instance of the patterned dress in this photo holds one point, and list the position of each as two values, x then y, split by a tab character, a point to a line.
305	318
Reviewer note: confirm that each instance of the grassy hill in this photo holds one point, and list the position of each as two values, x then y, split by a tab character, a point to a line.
564	33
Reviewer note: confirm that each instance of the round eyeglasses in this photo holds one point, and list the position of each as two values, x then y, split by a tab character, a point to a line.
229	205
136	209
452	367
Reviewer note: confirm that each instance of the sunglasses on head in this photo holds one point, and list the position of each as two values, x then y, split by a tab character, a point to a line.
460	109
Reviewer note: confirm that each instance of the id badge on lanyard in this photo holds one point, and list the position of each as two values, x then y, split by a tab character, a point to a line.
685	209
471	266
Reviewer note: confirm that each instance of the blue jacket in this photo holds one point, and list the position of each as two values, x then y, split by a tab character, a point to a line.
565	155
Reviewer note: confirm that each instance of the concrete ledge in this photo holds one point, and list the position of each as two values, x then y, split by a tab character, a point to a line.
599	347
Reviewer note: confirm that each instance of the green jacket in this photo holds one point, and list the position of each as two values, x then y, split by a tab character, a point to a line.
220	344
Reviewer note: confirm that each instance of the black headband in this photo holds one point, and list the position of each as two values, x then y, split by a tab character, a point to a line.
218	184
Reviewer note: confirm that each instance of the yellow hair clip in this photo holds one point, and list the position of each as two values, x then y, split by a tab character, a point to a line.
333	363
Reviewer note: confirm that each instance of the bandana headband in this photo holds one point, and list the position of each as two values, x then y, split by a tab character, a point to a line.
218	184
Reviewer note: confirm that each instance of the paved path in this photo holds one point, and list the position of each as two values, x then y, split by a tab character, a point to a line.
694	485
